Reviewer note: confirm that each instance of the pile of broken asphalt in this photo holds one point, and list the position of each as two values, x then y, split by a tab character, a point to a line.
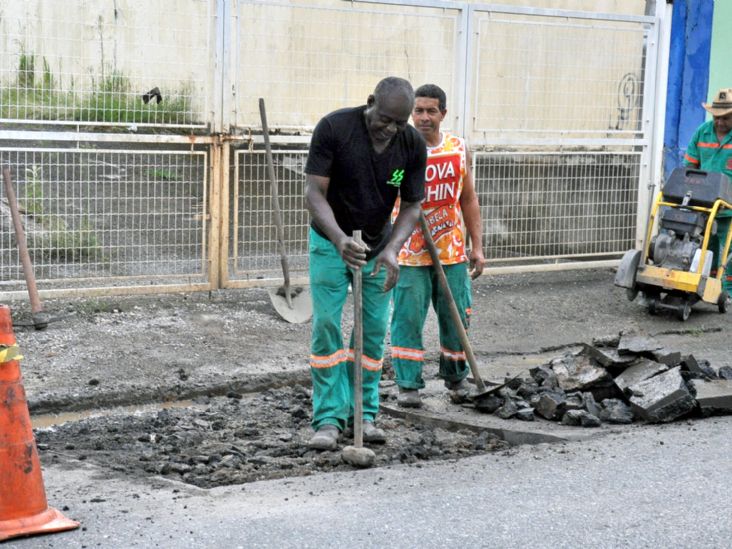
615	380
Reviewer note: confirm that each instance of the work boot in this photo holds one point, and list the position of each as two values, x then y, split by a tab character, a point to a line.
459	390
325	438
409	398
371	433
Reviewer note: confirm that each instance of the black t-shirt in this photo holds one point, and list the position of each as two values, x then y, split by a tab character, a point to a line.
364	184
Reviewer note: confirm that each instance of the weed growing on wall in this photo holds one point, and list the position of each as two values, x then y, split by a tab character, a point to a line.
113	99
30	98
26	71
162	173
53	237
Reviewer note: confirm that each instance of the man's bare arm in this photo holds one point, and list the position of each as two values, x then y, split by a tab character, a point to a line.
403	226
471	214
316	189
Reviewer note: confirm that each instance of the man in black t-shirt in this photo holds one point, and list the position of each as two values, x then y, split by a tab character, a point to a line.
360	160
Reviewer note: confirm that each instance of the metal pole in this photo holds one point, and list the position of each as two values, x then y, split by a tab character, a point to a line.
39	319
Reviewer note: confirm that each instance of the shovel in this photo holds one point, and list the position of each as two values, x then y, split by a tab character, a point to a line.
40	319
482	390
357	455
292	304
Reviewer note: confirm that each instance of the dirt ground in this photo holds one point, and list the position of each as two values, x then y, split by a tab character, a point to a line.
239	439
242	374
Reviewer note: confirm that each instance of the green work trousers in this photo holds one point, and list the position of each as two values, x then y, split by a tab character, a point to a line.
416	288
716	245
331	366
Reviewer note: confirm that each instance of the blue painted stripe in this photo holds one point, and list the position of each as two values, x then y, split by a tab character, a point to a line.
688	77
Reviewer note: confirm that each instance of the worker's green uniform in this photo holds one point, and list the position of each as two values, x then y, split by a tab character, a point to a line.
418	280
707	153
416	289
332	365
363	186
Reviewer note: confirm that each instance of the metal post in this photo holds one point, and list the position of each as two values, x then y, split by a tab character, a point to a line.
39	319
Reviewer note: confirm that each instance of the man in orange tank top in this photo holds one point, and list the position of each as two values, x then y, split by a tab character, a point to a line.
450	206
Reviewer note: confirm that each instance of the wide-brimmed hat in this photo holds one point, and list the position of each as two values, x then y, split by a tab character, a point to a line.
722	103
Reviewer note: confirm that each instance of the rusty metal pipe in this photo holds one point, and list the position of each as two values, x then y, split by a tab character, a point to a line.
39	318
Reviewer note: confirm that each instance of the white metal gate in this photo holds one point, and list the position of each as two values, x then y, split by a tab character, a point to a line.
134	136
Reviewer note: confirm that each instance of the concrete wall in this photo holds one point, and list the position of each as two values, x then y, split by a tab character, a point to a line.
720	68
311	57
83	47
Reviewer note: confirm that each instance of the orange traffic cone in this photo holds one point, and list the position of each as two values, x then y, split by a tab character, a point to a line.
23	507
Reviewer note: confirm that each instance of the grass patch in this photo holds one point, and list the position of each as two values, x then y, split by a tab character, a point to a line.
57	240
116	102
26	70
32	98
36	95
162	173
94	306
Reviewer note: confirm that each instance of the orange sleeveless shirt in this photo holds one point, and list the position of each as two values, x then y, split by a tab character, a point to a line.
446	166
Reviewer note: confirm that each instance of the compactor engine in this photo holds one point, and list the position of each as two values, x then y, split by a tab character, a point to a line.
684	262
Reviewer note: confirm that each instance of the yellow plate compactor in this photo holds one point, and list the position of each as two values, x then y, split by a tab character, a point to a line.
687	258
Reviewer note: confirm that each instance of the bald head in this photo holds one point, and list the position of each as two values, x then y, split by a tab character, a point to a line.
388	109
394	87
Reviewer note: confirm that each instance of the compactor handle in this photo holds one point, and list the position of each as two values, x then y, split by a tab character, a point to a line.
695	171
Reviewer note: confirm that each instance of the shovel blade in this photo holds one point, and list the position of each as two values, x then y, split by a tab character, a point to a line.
491	387
302	306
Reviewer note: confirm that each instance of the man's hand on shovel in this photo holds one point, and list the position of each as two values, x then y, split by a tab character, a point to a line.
353	253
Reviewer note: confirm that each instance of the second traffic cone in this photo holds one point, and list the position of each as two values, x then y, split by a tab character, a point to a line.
24	509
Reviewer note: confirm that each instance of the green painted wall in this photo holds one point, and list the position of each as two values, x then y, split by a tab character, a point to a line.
720	68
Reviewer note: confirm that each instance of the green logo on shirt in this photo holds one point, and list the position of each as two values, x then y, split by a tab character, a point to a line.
396	178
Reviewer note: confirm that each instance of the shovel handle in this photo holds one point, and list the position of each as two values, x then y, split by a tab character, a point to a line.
454	313
30	277
357	351
275	202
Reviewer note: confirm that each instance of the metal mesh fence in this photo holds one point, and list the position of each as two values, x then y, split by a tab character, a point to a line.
553	100
97	215
535	206
547	75
254	251
106	63
541	205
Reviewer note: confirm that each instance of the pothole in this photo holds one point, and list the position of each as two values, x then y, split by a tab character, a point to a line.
44	421
238	439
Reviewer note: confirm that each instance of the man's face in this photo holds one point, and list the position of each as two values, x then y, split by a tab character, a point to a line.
723	124
427	115
387	116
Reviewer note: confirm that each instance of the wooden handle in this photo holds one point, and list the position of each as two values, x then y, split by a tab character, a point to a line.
275	203
454	313
30	277
357	352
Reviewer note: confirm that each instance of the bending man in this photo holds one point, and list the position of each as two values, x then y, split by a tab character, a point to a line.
449	196
361	159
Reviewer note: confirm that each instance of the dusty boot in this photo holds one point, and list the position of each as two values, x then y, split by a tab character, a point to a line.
371	433
325	438
459	390
409	398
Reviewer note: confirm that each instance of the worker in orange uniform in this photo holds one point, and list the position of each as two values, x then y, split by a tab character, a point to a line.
450	198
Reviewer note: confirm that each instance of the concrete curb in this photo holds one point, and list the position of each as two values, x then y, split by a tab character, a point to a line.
514	432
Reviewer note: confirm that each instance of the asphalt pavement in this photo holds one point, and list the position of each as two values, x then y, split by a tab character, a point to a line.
630	486
648	486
